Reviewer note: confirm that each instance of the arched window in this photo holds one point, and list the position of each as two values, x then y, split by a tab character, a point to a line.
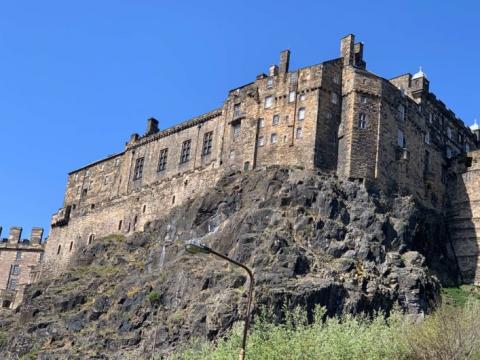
91	238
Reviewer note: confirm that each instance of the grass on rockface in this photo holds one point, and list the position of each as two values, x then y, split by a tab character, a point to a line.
451	333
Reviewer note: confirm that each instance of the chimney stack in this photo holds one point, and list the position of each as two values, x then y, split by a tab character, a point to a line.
347	50
284	61
152	126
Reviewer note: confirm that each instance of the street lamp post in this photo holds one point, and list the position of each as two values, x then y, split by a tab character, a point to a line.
194	247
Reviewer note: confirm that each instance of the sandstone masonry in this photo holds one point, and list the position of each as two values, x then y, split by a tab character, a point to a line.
393	135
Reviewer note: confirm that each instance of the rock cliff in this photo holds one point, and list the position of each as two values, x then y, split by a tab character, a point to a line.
309	238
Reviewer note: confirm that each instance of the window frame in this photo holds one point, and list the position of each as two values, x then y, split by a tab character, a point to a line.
207	143
185	151
162	160
138	169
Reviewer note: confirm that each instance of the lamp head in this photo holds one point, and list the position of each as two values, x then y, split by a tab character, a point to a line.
195	247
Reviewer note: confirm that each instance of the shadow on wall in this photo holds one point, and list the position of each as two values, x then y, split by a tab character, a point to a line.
464	215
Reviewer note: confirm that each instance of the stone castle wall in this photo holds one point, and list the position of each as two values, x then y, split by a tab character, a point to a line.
336	116
19	260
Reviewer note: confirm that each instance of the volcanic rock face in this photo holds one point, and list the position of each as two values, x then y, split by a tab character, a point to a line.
310	239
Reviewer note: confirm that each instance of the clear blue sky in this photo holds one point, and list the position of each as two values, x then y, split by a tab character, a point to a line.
78	77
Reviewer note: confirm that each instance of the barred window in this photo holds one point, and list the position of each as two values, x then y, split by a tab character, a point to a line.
185	154
12	284
362	121
138	171
15	270
162	161
207	143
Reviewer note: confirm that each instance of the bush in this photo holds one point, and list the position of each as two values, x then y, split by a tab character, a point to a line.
451	333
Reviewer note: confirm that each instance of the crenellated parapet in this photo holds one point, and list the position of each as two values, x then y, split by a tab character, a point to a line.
14	239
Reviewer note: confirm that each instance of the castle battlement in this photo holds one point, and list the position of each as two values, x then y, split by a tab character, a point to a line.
19	263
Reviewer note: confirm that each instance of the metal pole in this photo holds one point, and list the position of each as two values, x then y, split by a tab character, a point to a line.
249	301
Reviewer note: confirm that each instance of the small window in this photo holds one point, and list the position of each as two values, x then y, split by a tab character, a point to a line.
273	138
18	256
299	133
401	112
207	143
232	154
87	173
268	102
301	113
449	152
449	132
460	138
138	171
301	97
286	119
59	249
71	246
236	130
84	192
401	138
144	208
185	154
105	180
336	78
334	98
362	121
12	284
261	123
237	110
291	96
92	206
173	199
15	270
270	83
162	161
430	118
120	223
427	138
363	99
276	119
260	141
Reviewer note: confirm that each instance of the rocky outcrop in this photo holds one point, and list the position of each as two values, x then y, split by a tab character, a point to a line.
309	238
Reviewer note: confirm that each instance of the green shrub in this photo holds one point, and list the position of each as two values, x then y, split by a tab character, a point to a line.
154	298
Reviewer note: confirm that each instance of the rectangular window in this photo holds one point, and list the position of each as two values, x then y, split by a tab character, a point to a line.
261	123
334	98
18	256
362	121
185	154
15	270
270	83
401	112
268	102
276	119
363	100
449	132
207	143
427	138
401	138
237	110
301	97
273	138
138	171
291	96
449	152
460	138
12	284
430	118
236	130
301	113
299	133
260	141
162	161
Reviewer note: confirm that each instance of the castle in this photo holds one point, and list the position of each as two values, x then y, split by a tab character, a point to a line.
393	135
